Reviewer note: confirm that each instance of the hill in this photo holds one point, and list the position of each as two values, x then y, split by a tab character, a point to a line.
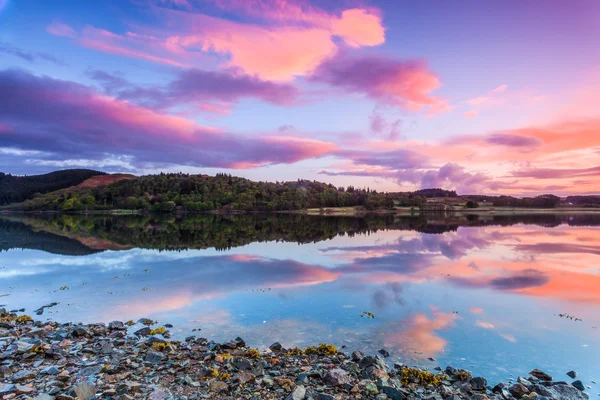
16	189
170	192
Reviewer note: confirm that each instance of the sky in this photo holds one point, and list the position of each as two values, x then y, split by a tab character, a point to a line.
496	97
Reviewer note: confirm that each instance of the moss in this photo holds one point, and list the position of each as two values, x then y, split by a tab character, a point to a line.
158	331
225	356
415	375
22	319
224	376
463	375
326	349
130	323
253	353
296	351
160	346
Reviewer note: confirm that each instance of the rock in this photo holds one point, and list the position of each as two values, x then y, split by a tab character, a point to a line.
245	377
431	359
218	386
43	396
392	393
371	388
146	321
85	390
384	352
145	331
79	332
478	383
373	372
24	347
336	377
357	355
116	325
572	374
372	361
8	389
276	347
24	389
242	364
240	342
154	357
51	370
159	394
23	375
518	390
578	385
299	393
540	375
498	388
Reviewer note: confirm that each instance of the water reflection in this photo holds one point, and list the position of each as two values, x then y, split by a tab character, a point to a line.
483	293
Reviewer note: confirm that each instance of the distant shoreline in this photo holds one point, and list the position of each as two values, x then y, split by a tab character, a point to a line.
329	211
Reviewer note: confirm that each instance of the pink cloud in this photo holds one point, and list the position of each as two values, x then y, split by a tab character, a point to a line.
71	118
470	114
357	26
500	89
484	325
476	310
508	337
403	83
60	29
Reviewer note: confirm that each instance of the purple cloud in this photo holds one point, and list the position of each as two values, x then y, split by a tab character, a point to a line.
511	140
198	87
65	118
556	173
395	82
7	48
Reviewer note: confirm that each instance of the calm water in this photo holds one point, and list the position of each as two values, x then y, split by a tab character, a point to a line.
478	293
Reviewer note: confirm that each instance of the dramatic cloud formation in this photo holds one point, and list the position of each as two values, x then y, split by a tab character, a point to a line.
211	91
63	118
404	83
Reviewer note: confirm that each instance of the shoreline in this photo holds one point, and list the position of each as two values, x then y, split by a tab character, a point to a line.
327	212
135	360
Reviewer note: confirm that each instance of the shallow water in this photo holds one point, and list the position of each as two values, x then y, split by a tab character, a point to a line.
481	293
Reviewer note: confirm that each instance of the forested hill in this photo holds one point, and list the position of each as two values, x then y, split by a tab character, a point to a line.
15	189
170	192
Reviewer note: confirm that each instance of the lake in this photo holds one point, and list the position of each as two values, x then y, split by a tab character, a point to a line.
498	295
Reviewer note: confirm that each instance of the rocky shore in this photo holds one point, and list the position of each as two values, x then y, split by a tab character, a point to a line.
137	360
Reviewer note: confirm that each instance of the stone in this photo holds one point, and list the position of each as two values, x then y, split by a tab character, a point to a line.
116	325
218	386
85	390
498	388
336	377
572	374
245	377
372	361
21	389
8	389
540	375
51	370
299	393
23	375
158	394
242	364
478	383
357	355
276	347
384	352
43	396
518	390
392	393
371	388
578	385
145	321
154	357
374	372
24	347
